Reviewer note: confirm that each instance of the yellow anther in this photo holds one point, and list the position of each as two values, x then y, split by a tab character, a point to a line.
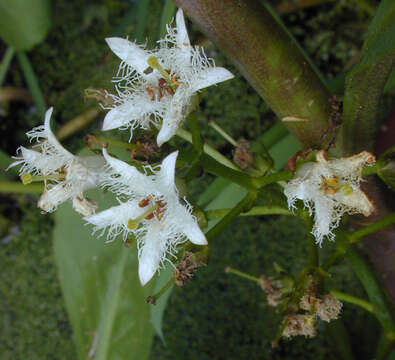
332	181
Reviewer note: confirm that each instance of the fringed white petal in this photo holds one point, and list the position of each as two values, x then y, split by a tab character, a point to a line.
210	77
50	199
167	131
165	177
193	232
151	253
128	176
131	53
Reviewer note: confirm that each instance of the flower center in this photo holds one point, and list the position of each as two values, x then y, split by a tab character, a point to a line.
156	209
167	83
331	185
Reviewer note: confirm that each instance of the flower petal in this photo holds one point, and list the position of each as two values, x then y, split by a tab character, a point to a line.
210	77
168	130
53	197
182	33
130	53
167	172
356	201
150	254
138	182
119	116
182	39
51	137
193	232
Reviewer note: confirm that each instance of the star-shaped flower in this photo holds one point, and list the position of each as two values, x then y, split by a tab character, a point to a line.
330	189
156	86
65	175
152	213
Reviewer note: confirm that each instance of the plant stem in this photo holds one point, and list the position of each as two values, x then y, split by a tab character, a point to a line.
272	178
255	211
142	16
19	188
76	124
217	169
248	33
5	64
313	248
240	207
364	304
32	81
223	133
207	149
153	298
371	228
116	143
374	290
167	14
243	275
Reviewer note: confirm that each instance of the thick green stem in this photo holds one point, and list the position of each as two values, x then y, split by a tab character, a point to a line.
32	81
269	60
5	64
353	300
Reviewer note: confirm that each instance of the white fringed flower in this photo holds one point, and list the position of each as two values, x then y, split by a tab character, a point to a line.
152	213
330	189
156	86
65	176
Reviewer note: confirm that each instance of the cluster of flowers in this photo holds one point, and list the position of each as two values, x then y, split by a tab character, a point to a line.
154	87
159	88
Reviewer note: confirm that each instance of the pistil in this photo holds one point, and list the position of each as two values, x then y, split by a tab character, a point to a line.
28	178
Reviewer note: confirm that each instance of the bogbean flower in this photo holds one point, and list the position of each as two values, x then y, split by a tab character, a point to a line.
65	176
152	213
330	188
157	86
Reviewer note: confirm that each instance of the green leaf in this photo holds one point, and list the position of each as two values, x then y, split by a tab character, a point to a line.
24	24
104	299
157	310
365	82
